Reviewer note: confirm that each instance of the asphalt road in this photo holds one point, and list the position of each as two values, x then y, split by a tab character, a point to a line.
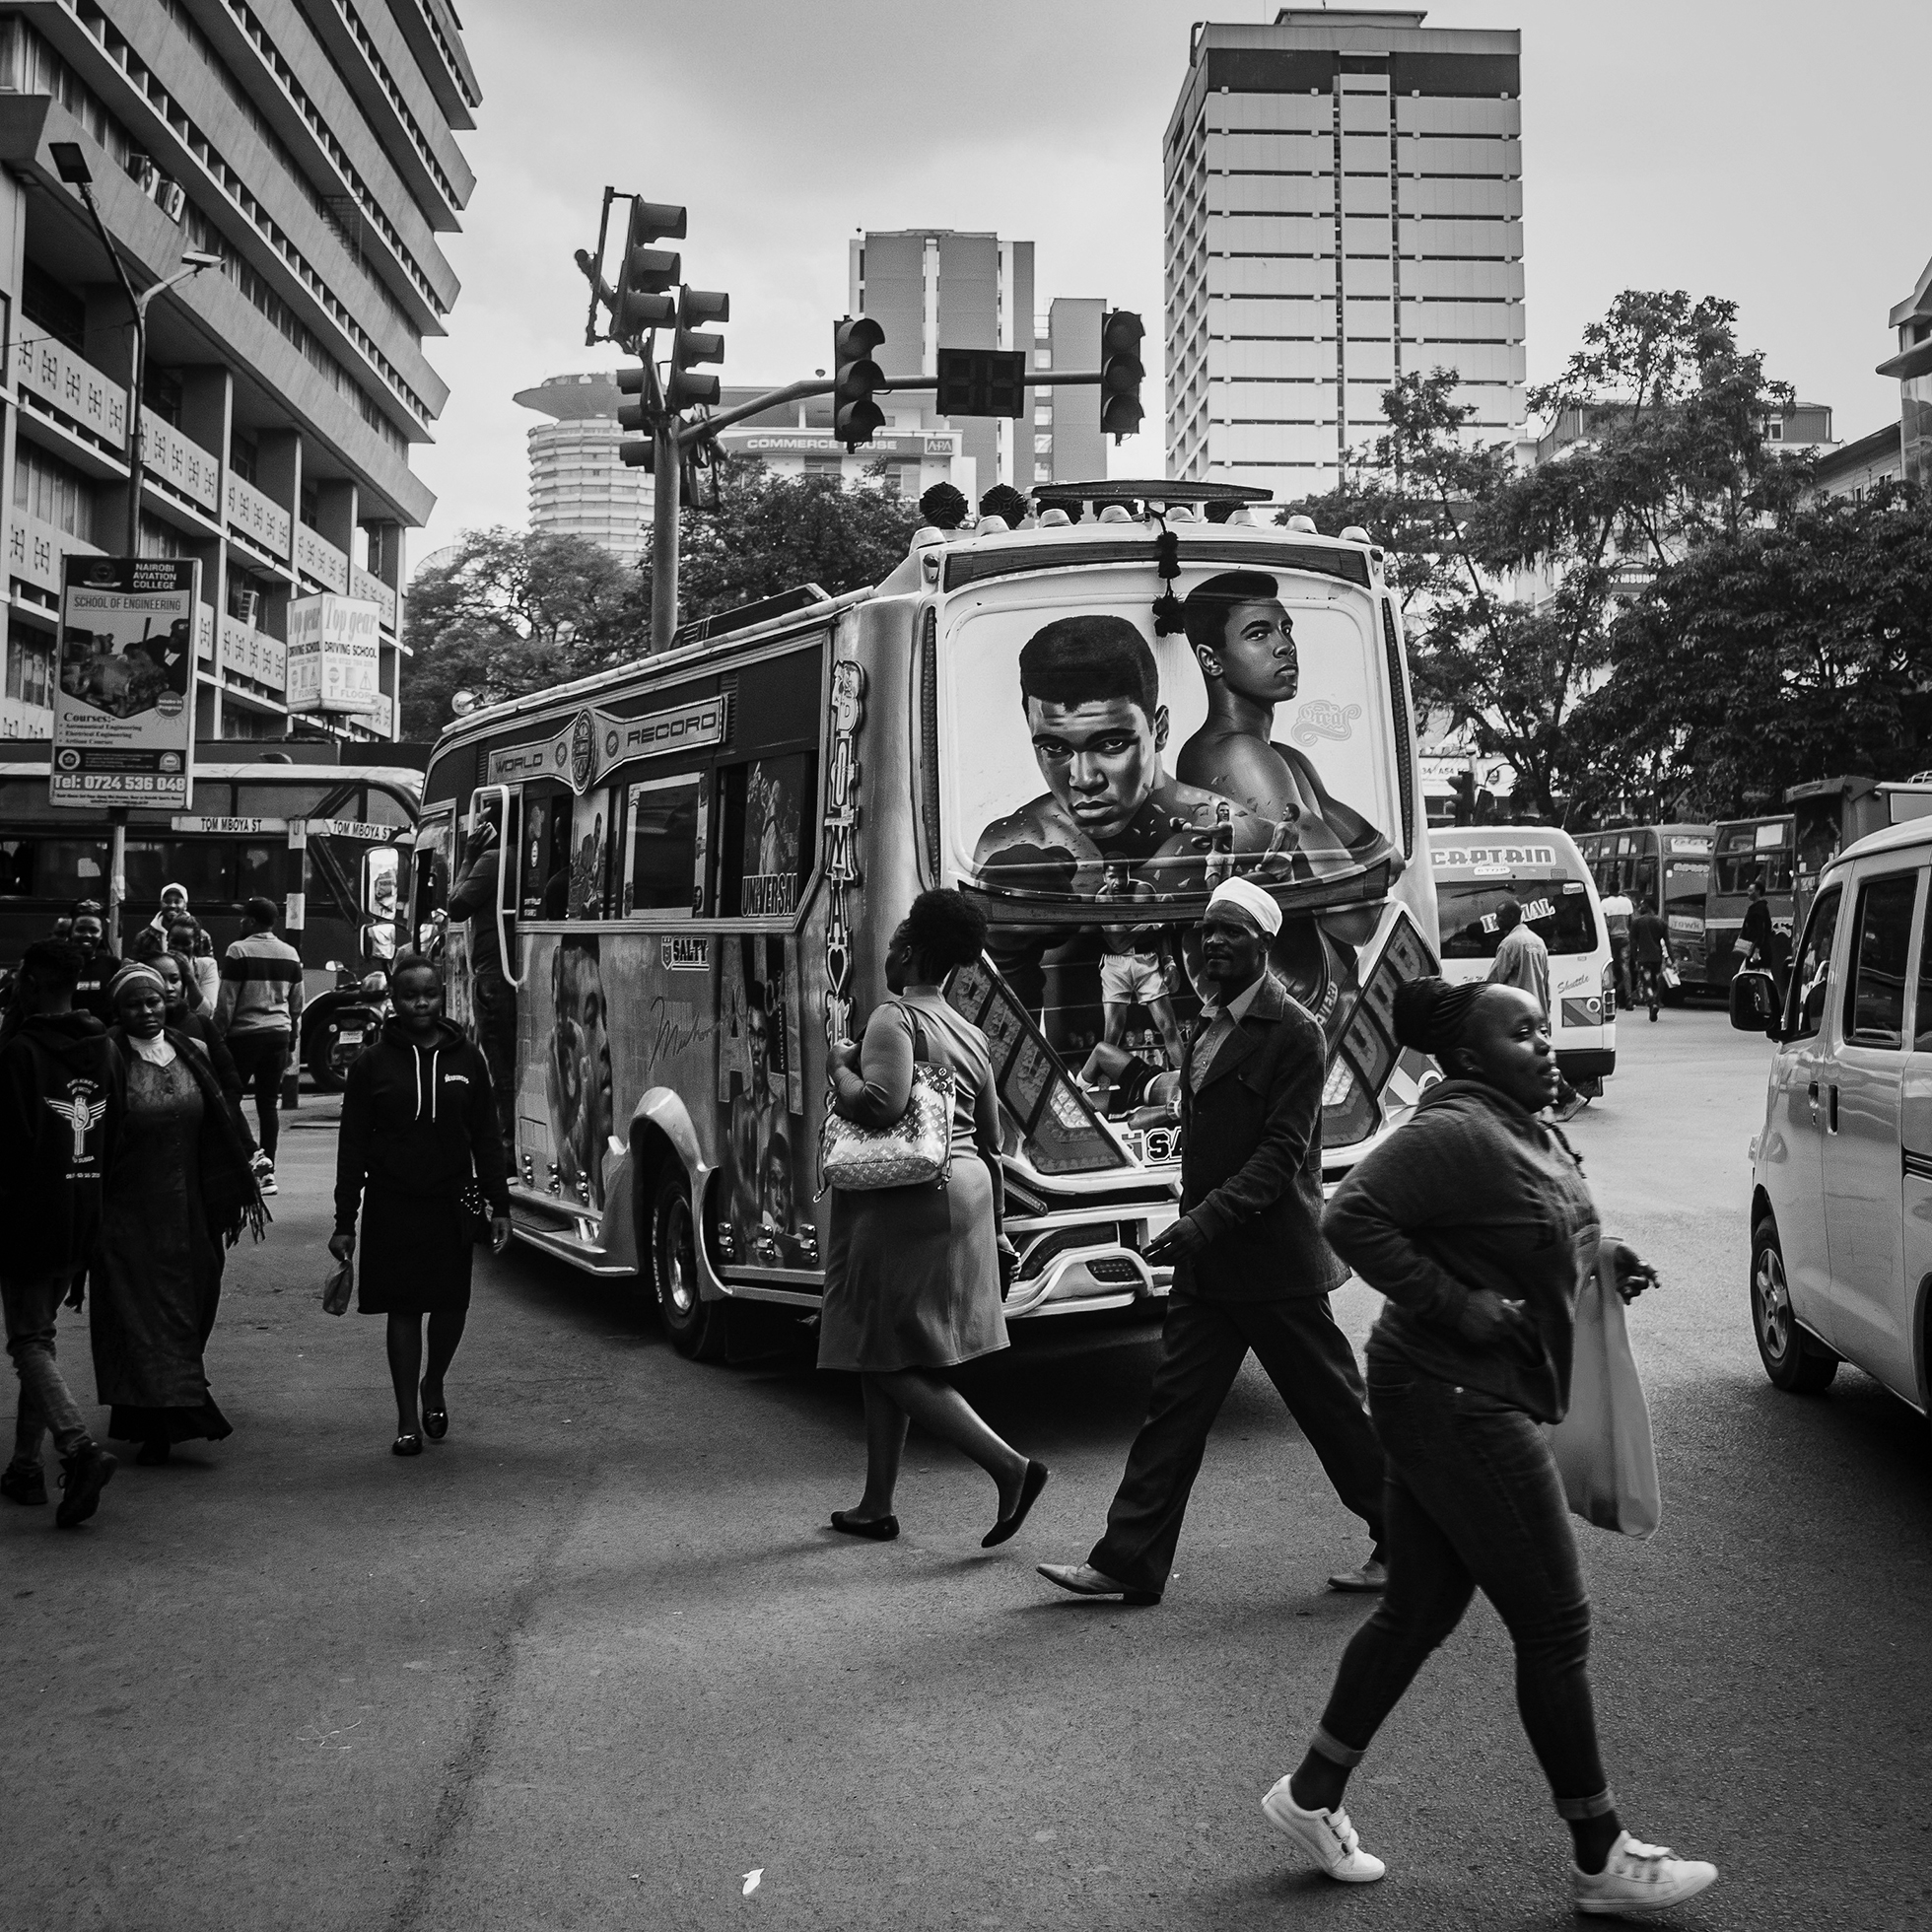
595	1660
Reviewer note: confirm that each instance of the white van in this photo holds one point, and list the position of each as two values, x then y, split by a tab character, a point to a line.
1479	867
1841	1172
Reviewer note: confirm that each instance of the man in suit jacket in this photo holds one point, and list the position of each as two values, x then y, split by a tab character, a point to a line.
1251	1270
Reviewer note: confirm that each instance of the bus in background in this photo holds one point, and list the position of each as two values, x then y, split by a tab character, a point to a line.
1664	870
351	826
1743	851
1477	868
706	853
1830	813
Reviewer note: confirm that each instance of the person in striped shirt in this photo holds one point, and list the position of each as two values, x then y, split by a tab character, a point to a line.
259	1009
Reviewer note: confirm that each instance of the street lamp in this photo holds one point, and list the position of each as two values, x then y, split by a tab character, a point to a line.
71	166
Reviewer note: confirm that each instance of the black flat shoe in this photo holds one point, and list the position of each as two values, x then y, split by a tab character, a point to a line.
1030	1486
876	1529
406	1445
435	1421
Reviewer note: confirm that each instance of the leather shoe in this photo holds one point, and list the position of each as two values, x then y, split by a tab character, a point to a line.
1083	1580
1371	1579
406	1445
435	1421
1034	1481
875	1529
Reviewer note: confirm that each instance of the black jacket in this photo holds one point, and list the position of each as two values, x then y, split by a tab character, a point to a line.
1251	1159
416	1121
61	1099
91	994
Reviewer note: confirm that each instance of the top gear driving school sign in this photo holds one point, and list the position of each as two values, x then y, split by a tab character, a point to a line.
123	705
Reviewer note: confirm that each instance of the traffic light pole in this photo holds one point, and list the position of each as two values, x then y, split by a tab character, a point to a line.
667	472
690	433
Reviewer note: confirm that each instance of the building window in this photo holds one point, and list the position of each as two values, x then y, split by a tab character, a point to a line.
52	307
241	456
46	487
1774	428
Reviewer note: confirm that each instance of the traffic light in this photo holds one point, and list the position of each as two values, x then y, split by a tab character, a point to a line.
1121	374
645	275
982	382
638	451
690	346
854	415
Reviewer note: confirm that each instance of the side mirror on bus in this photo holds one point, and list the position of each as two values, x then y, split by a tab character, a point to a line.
1754	1004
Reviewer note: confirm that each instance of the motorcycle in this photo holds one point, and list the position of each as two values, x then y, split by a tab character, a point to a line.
338	1024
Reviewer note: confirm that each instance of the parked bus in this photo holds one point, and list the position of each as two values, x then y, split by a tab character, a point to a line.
1743	851
350	823
1665	870
1830	813
1476	868
706	853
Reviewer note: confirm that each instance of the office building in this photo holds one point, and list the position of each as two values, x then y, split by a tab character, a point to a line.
578	486
1912	366
1344	206
311	151
1852	468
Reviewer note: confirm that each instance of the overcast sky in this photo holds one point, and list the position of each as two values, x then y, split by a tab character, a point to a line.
1756	149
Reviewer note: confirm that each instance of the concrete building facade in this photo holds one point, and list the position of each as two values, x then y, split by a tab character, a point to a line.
1068	446
312	150
579	485
1911	320
1343	205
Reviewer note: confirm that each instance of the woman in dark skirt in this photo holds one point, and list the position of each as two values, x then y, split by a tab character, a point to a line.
913	1275
418	1124
179	1192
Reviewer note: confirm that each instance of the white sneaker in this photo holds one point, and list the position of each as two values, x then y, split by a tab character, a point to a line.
1325	1836
1639	1878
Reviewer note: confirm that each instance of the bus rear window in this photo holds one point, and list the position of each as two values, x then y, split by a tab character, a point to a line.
1562	919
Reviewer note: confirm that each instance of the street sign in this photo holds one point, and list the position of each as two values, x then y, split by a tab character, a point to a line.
123	703
982	382
348	828
211	822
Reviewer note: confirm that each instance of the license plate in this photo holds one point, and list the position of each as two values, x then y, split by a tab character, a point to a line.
349	1039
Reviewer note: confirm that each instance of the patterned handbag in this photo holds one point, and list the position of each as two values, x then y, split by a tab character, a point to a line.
915	1150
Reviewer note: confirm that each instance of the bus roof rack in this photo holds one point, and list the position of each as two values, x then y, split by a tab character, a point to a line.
800	597
1152	489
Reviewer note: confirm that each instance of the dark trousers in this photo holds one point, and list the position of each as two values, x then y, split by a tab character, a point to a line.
1201	1348
1474	1502
261	1059
32	1307
493	1000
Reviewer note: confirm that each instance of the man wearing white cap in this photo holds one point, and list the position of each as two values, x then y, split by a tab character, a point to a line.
1251	1270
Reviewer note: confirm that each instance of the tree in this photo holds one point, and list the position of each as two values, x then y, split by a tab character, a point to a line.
770	533
1773	655
1511	577
510	613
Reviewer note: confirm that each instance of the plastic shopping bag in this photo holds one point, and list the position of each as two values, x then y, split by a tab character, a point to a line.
338	1288
1603	1447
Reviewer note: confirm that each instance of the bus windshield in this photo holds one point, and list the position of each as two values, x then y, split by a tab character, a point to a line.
1684	885
1556	909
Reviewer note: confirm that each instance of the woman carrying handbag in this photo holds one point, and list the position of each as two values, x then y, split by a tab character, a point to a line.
1474	1222
418	1140
915	1274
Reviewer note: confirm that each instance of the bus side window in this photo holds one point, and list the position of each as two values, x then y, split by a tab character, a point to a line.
768	829
259	871
1645	892
665	845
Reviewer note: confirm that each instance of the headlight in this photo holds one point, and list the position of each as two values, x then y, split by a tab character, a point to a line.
376	984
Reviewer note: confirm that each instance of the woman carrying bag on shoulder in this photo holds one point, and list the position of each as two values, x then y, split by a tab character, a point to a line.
914	1279
418	1141
1474	1222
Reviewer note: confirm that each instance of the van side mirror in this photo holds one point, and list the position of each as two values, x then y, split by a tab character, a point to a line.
1754	1004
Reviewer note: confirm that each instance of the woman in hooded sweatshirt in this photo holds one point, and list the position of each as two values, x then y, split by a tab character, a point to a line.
419	1124
1474	1222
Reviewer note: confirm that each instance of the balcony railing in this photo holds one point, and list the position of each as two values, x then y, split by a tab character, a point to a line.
73	387
34	549
180	462
316	557
257	518
249	653
374	591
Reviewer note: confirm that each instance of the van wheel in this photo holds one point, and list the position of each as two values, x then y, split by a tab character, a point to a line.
1792	1359
694	1325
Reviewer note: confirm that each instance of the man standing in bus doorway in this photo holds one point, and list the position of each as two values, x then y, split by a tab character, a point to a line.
1618	914
492	998
258	1012
1251	1269
1763	944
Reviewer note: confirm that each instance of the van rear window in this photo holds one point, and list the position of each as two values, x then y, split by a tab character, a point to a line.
1558	910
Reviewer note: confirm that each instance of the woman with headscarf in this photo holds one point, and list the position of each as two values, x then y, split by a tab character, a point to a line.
202	1033
1474	1222
179	1192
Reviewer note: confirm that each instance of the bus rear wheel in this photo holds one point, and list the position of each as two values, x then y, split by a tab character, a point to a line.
694	1325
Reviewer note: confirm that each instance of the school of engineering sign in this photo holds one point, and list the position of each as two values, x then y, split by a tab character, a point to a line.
595	742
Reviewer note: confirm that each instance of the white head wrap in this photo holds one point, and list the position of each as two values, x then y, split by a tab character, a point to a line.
1247	898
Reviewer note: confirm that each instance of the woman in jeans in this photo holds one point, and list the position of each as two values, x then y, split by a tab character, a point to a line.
1474	1224
913	1278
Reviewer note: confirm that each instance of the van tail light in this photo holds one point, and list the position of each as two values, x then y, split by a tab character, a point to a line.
1609	991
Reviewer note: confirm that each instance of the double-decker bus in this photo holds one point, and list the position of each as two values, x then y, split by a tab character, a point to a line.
1664	870
1746	851
706	853
336	835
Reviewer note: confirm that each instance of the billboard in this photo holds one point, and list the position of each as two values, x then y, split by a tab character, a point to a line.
123	704
334	654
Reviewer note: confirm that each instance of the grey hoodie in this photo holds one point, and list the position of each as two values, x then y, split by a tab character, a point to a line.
1473	1193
